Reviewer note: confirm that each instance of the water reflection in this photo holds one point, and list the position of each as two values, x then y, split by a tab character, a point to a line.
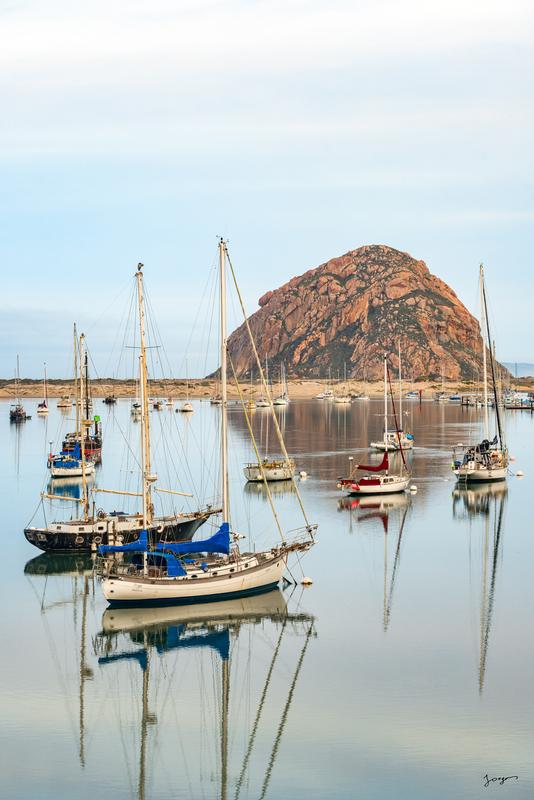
219	634
79	568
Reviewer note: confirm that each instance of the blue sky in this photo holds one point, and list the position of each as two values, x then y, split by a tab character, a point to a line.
138	131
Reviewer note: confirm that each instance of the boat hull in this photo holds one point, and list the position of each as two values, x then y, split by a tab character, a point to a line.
182	591
481	475
282	472
87	540
368	488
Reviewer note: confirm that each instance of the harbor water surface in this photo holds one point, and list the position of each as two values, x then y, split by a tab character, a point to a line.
405	671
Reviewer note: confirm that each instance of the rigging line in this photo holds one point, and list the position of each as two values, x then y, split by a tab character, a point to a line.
267	391
259	713
395	418
285	713
255	446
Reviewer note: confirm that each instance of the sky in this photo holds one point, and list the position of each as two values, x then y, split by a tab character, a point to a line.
299	130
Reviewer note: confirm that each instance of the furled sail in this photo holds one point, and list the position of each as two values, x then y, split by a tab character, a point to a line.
384	464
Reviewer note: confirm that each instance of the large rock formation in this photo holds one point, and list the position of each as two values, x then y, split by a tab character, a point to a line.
352	310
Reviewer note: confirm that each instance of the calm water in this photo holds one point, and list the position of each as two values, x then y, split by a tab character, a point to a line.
405	671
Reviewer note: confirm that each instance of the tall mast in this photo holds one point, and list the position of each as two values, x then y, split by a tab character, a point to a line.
492	361
45	386
484	355
148	508
86	386
17	380
386	404
85	496
77	399
400	388
224	421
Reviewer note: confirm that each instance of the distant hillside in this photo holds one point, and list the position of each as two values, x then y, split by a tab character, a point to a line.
353	309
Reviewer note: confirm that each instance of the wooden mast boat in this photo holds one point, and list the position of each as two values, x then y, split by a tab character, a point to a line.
86	533
377	478
158	573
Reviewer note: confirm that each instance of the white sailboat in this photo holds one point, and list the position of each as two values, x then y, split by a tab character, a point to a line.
283	397
398	439
157	574
486	460
42	407
378	479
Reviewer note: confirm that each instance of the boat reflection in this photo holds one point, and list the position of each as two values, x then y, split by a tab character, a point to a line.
68	487
383	508
146	638
79	568
278	488
70	564
470	501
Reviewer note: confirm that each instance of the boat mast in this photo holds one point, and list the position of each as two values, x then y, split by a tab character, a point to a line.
484	354
148	508
17	379
85	496
492	360
77	400
386	405
400	388
45	386
224	421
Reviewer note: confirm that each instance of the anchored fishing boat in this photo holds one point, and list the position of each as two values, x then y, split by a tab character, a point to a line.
150	572
377	478
486	460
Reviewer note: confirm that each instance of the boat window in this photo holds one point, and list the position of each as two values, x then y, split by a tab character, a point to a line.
58	527
214	573
232	570
100	527
81	530
194	576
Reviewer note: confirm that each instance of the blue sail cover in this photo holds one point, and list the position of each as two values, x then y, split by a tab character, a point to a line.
218	543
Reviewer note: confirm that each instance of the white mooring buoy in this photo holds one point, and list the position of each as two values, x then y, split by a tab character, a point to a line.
303	474
306	581
519	473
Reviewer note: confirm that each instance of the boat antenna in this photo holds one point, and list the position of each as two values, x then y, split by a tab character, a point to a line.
492	361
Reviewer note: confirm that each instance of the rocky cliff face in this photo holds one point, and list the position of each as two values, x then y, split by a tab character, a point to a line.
352	310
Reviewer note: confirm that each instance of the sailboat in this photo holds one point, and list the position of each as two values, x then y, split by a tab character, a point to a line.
378	479
344	397
398	439
89	435
187	407
97	526
269	469
42	408
487	460
16	410
158	572
283	397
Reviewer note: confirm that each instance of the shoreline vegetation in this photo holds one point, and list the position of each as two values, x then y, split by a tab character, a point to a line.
203	388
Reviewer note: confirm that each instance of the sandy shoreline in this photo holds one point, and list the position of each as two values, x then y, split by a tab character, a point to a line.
203	389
